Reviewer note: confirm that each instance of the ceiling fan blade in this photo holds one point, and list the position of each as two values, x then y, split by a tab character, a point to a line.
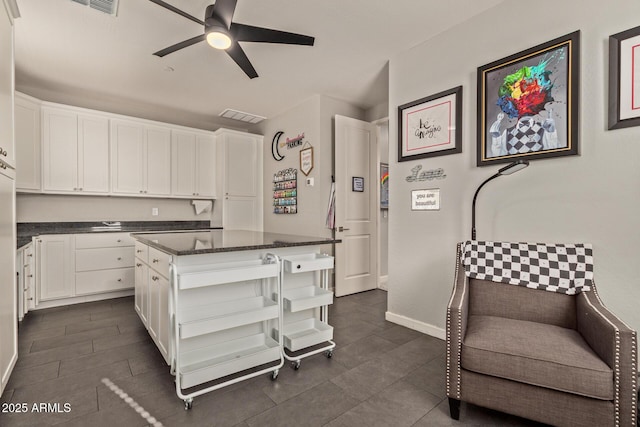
180	45
176	10
224	9
249	33
237	54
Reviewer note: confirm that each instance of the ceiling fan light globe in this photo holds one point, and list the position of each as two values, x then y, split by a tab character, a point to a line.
218	40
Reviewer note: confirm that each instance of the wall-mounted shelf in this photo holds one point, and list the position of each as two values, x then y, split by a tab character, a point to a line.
285	191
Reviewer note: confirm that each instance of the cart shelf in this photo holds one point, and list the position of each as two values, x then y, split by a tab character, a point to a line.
210	318
216	361
201	276
306	333
298	299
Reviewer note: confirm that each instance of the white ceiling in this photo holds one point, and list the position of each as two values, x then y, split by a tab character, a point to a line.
69	53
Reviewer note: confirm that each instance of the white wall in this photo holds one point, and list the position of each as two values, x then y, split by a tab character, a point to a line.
60	208
593	197
314	118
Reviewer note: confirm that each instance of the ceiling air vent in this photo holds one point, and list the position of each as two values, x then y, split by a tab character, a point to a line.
241	116
110	7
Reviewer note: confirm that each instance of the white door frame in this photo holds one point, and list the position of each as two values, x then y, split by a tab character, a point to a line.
356	223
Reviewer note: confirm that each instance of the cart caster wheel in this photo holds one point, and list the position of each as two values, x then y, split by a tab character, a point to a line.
188	404
274	375
296	365
329	354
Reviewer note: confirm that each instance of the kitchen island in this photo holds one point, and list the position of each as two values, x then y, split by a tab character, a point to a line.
223	305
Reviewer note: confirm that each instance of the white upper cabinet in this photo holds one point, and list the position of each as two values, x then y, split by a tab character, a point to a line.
63	149
240	168
141	159
193	164
75	151
158	160
242	163
27	143
93	154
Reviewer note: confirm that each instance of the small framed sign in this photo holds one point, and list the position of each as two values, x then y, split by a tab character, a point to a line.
357	184
425	200
306	160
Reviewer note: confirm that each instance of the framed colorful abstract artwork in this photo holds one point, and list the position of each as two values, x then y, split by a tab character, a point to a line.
430	126
624	79
384	186
528	103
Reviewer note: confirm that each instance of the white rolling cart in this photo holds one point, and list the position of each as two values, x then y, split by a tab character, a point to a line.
232	334
306	297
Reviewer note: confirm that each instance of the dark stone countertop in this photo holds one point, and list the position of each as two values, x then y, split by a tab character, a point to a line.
27	230
212	241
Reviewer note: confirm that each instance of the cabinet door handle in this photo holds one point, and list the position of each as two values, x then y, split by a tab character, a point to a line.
29	275
155	278
138	265
155	260
119	280
119	258
139	251
30	255
119	240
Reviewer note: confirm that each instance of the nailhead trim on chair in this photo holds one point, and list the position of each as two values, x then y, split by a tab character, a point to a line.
634	368
449	325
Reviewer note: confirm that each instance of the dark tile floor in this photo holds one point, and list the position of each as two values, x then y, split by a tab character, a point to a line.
381	374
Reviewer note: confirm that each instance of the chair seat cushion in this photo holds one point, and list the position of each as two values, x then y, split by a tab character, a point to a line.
537	354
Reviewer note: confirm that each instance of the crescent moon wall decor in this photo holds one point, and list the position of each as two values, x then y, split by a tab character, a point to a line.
274	146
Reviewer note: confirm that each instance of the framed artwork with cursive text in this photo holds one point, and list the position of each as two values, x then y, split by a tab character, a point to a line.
430	126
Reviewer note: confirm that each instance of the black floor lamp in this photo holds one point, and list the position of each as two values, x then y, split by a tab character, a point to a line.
507	170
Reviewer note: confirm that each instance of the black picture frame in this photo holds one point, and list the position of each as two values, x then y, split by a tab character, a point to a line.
357	184
528	103
623	112
430	126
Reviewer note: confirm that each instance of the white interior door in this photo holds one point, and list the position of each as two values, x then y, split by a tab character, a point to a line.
355	158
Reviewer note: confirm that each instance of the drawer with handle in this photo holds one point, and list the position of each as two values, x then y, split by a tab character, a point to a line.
104	258
91	282
142	252
159	261
103	240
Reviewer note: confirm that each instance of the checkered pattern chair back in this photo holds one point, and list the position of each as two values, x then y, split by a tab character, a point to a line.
562	268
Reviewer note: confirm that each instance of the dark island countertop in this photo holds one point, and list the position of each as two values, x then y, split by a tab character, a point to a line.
205	242
27	230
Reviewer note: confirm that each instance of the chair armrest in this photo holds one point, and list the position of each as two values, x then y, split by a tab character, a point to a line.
457	313
616	344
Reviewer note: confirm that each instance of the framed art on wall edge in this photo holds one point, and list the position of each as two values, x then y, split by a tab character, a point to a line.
528	103
430	126
624	79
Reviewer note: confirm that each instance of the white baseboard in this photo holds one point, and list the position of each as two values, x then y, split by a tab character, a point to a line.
383	283
81	299
416	325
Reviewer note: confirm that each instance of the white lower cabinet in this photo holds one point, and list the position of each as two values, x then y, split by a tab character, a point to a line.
104	263
55	267
26	280
152	294
158	324
73	268
141	302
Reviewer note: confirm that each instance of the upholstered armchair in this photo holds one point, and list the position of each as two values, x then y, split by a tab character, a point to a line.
529	336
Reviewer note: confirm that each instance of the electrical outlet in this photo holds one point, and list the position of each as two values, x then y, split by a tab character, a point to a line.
154	211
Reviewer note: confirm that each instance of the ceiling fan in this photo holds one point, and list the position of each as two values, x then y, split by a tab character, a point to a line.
222	33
